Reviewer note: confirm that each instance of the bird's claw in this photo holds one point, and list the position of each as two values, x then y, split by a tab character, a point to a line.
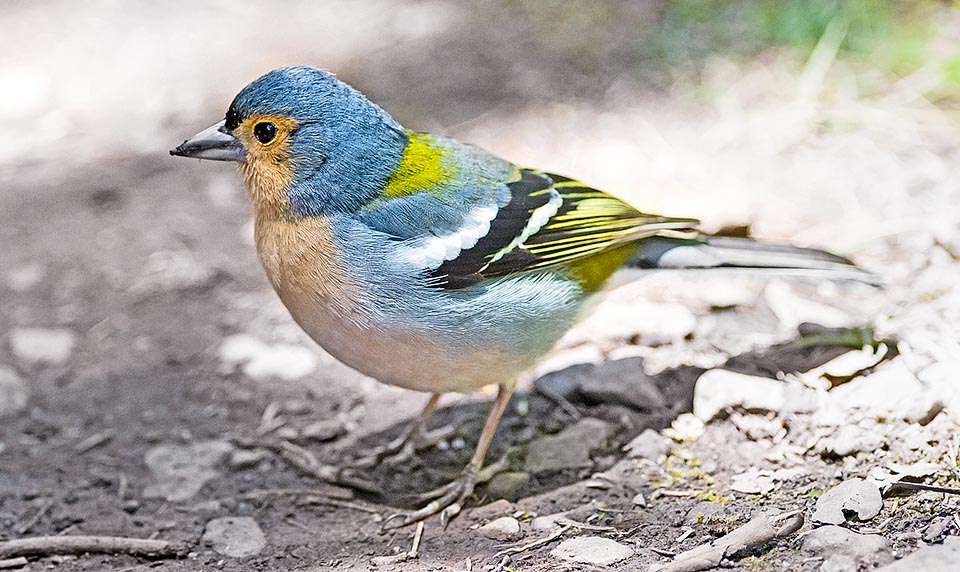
447	502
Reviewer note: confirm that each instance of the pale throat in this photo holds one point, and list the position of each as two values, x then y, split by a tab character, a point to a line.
267	187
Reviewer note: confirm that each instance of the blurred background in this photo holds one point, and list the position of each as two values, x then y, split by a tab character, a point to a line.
129	290
744	112
822	122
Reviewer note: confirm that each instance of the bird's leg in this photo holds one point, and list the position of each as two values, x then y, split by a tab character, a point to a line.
414	438
448	500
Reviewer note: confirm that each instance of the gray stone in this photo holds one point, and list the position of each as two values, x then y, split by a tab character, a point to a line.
325	430
851	439
35	346
935	558
718	390
839	563
592	550
565	382
503	528
246	459
235	536
754	482
649	444
841	546
506	485
623	382
182	470
14	392
854	497
569	449
936	529
547	522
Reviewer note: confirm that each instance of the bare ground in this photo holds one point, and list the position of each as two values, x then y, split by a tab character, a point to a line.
163	367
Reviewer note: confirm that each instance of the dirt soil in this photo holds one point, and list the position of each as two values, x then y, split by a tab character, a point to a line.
149	370
151	384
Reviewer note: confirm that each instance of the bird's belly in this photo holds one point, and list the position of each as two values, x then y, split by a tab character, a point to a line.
404	357
422	342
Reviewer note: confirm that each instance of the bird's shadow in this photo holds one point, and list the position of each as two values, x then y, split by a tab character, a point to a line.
617	392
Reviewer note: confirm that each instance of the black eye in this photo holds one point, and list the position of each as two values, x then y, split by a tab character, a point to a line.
265	132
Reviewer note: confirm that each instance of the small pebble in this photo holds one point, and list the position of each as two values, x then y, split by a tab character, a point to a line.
34	346
594	550
246	459
503	528
235	536
325	430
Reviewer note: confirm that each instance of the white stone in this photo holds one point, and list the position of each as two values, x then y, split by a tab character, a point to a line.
686	427
936	558
854	497
793	310
891	389
719	389
503	528
592	550
235	536
261	361
650	324
33	346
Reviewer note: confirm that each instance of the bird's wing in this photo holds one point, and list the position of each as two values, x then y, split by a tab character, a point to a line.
547	221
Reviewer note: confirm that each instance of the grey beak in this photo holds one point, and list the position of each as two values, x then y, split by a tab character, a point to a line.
214	143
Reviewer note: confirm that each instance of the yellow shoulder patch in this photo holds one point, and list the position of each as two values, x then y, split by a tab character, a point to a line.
422	167
593	271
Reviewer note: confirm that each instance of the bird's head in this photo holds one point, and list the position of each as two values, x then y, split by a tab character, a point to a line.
307	143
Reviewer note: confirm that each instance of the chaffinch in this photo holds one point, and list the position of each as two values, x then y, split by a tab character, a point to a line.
432	264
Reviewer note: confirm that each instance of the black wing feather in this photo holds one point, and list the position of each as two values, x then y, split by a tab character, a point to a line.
586	222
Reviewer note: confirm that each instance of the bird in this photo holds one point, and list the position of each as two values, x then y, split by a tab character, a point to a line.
431	264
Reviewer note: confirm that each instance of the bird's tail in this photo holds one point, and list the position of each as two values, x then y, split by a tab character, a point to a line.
727	252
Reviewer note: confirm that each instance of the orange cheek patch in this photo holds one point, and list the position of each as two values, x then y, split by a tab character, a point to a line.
268	171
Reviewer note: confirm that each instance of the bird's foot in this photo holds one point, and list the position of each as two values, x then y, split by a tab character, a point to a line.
404	447
448	500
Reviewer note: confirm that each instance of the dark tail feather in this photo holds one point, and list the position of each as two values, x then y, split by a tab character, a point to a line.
724	252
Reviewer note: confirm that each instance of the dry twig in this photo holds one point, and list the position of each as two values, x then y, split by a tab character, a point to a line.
94	441
759	530
506	554
403	556
307	463
584	526
925	487
51	545
18	562
36	517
